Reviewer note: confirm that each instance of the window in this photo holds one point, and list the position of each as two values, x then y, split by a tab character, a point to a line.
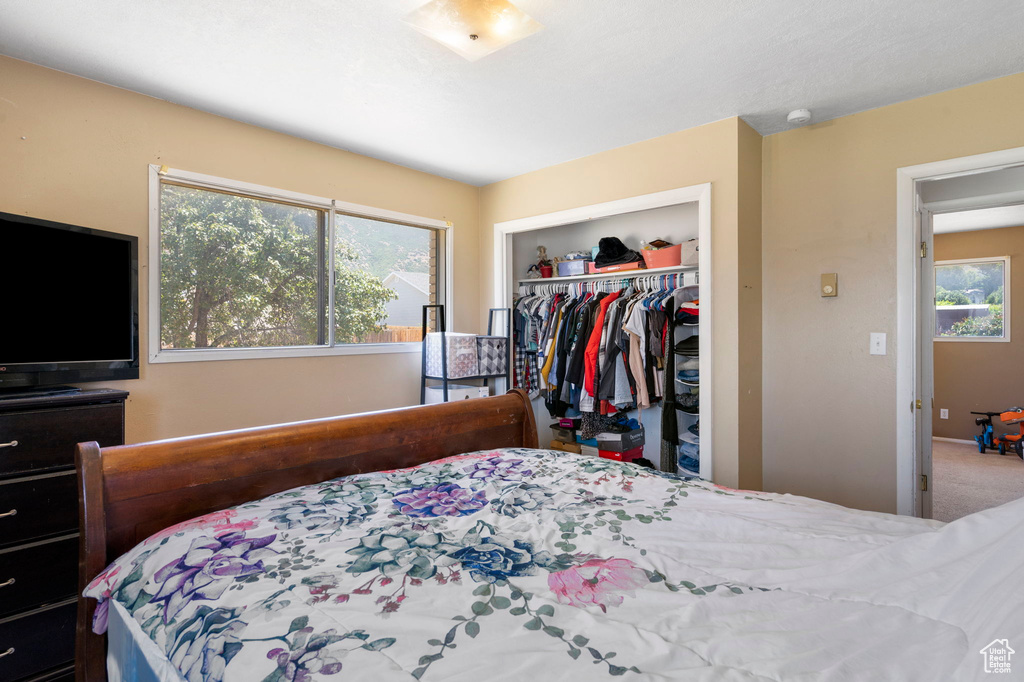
972	300
385	273
243	271
238	272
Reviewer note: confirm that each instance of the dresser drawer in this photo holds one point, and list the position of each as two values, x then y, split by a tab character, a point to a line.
41	640
62	673
42	573
43	505
46	438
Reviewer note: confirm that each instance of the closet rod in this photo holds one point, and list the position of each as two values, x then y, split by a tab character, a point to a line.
650	282
624	274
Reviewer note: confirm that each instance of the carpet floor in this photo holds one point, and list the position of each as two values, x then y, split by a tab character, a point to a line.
966	481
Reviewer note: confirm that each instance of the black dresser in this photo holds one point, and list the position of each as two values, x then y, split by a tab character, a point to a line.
39	525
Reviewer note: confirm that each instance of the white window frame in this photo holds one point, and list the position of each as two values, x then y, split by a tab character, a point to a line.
1005	338
159	355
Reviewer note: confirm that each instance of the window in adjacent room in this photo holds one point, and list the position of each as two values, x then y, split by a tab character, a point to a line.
972	299
239	272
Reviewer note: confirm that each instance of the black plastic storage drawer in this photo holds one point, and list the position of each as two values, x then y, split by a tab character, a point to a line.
40	639
43	506
46	438
37	574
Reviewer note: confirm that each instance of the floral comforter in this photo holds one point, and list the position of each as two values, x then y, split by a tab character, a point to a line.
536	565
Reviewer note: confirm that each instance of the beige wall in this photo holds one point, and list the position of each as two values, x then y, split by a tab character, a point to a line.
77	151
748	311
829	205
711	153
981	376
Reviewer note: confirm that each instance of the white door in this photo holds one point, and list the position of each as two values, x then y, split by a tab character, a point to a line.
926	367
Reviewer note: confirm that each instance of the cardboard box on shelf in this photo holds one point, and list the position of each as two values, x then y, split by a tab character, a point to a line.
593	269
627	456
435	394
621	442
565	435
564	447
568	268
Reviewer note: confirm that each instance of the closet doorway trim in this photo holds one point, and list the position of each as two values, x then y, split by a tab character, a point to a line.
504	284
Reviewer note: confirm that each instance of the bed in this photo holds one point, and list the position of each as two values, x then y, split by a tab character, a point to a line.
438	543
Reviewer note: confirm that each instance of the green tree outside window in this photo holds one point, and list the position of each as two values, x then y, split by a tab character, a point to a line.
239	272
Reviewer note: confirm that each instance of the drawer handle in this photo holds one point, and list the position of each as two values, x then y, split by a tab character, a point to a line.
12	444
10	513
8	652
9	582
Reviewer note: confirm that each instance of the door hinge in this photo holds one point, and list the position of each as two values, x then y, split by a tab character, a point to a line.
917	404
924	483
924	249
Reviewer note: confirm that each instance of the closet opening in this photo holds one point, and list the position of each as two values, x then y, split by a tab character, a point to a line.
629	310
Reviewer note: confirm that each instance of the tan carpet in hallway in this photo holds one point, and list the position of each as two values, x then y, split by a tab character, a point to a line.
966	481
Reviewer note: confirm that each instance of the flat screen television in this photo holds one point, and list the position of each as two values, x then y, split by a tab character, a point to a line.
69	304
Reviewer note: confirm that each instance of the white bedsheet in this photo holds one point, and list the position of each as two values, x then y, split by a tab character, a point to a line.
804	590
131	655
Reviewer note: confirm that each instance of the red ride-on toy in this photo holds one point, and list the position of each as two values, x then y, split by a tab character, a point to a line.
1014	440
988	439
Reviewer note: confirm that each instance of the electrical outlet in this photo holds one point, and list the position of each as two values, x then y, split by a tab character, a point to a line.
943	414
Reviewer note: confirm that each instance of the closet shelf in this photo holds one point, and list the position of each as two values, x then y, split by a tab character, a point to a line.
623	274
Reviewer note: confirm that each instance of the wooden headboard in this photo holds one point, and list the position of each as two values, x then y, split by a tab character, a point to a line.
127	493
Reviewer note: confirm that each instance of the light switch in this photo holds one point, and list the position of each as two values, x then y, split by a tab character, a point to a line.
830	284
878	343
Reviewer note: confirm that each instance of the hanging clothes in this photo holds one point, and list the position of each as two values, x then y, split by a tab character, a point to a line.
527	321
599	349
593	349
669	425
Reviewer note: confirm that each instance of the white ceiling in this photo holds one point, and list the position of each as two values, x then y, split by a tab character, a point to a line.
979	219
973	190
603	73
976	201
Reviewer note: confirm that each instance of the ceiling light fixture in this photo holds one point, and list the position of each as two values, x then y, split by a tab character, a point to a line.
473	28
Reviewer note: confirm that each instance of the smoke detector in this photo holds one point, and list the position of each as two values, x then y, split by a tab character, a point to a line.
799	116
